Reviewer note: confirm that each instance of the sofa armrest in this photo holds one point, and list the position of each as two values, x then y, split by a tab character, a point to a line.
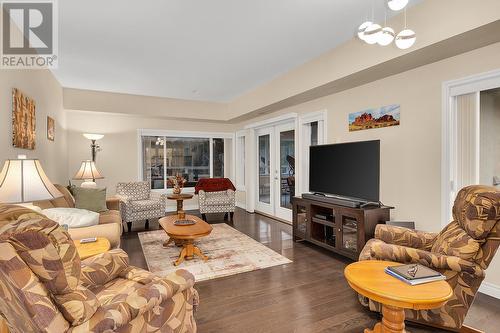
99	270
113	203
405	237
177	281
376	249
161	197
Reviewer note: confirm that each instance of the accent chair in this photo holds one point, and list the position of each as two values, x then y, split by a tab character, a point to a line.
216	195
139	203
462	252
45	287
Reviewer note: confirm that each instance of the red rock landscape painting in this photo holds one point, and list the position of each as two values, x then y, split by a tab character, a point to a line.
375	118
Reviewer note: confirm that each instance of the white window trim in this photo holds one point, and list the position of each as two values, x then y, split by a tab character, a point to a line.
238	161
178	134
451	89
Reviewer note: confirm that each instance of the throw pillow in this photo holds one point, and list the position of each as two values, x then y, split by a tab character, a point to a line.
72	217
93	199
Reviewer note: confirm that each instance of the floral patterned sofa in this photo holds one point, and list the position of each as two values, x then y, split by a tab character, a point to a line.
462	252
44	287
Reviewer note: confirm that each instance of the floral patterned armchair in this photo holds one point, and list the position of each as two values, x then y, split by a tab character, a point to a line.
139	203
462	252
44	287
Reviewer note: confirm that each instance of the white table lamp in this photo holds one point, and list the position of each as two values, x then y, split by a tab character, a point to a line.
24	181
88	173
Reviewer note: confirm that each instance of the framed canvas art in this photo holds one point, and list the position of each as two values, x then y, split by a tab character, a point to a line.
51	129
23	121
384	116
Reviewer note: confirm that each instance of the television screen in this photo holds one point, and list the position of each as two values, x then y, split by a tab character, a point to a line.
346	169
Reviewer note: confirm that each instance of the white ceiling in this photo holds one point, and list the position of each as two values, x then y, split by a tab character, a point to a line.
213	50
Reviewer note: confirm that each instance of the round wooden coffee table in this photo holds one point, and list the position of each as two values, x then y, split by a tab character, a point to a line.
87	250
369	279
185	235
180	200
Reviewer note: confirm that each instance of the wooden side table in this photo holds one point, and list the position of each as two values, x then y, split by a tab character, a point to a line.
180	200
369	279
88	250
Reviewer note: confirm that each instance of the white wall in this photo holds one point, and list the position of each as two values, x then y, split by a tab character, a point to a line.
41	86
119	158
411	152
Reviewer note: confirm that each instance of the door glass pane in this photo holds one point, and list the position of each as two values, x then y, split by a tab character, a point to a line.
287	168
189	157
314	133
153	161
265	168
218	159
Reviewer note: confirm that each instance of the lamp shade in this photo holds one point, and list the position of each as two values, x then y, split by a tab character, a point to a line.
88	170
91	136
23	181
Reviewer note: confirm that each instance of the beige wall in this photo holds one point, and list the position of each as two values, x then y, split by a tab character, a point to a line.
426	18
41	86
118	160
411	152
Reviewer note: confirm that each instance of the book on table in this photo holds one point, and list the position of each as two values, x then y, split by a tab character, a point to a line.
414	274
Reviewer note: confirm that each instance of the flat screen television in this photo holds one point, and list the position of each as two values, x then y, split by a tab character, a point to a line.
349	170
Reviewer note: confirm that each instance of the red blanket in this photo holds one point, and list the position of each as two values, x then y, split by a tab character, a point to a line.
214	185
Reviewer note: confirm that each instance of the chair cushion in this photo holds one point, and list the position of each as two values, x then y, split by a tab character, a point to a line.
477	210
134	190
218	198
145	205
454	241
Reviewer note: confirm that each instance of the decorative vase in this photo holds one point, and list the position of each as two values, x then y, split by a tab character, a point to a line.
177	189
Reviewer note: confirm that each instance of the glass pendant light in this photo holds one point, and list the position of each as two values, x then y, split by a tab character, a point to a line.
397	4
362	29
372	33
387	35
406	38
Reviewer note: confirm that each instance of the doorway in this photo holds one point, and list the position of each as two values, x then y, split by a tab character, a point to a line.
276	155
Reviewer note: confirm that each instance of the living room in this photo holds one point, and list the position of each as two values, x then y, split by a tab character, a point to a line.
237	96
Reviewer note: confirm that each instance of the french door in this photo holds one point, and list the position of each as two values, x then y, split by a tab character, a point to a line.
276	169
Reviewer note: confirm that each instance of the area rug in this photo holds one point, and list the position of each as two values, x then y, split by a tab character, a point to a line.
230	252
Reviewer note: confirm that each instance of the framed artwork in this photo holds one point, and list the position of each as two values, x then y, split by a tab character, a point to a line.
375	118
51	129
23	121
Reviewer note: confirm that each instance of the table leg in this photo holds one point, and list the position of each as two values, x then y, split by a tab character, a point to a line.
393	321
182	256
200	254
167	243
179	206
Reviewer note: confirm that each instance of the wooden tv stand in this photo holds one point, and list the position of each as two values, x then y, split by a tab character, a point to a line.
344	231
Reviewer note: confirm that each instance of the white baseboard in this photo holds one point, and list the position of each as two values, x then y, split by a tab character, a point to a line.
490	289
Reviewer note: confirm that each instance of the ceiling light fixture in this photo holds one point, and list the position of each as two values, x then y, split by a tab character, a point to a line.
362	29
373	33
387	35
397	4
406	38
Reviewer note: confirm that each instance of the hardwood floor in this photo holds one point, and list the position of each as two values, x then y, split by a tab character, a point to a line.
309	295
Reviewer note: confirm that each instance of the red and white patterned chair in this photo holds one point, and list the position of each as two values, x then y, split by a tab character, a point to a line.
216	195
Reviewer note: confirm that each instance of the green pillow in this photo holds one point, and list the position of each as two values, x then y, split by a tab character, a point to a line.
93	199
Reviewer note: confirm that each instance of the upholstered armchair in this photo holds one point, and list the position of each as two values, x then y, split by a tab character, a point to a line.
216	195
139	203
44	287
462	252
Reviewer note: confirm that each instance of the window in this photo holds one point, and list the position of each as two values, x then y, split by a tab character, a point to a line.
240	162
193	158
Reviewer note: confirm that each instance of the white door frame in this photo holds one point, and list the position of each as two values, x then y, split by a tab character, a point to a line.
302	165
267	208
450	90
281	212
